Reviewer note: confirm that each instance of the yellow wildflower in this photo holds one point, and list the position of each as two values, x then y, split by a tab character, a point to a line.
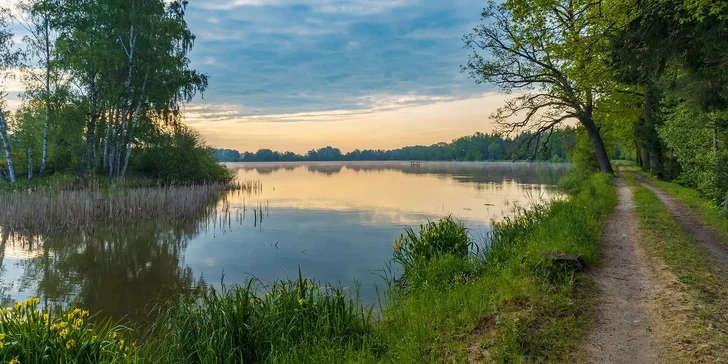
113	335
310	286
2	345
45	318
121	343
2	337
70	316
77	323
77	311
300	301
17	305
63	333
252	301
70	344
84	313
14	361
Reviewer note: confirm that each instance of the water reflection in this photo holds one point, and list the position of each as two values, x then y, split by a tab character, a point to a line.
335	221
117	271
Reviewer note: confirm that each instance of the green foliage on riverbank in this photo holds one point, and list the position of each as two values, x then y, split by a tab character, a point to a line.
710	213
29	334
505	302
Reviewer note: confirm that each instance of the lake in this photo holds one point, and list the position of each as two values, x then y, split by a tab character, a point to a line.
335	221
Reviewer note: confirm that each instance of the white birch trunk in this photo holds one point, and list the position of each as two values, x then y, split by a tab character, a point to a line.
6	146
30	162
44	153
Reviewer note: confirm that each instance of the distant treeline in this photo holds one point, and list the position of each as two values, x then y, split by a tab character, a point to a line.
477	147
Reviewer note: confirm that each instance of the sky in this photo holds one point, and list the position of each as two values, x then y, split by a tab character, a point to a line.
293	75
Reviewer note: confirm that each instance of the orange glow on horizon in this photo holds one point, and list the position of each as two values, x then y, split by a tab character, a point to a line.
349	130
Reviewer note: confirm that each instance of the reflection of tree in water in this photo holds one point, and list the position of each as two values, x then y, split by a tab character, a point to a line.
328	169
465	172
116	270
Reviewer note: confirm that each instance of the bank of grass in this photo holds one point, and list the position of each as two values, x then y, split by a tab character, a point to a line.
693	266
709	212
505	303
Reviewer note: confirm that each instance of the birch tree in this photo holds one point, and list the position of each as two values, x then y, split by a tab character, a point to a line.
8	58
36	17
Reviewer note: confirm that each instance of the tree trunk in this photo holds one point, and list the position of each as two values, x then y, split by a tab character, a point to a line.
30	162
135	117
44	153
596	140
6	146
106	140
131	137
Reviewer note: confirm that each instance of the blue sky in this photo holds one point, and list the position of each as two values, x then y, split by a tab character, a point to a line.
355	62
300	74
289	56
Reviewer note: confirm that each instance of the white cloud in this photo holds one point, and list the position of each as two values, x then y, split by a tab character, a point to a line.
324	6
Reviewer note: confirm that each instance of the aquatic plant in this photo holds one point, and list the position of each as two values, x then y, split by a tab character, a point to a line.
255	322
435	238
61	209
29	334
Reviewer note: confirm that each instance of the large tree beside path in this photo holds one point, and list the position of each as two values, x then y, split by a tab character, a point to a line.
551	53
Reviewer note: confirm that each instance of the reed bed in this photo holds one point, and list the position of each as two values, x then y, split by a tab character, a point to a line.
58	208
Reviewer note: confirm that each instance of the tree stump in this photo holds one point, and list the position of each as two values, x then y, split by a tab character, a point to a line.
573	262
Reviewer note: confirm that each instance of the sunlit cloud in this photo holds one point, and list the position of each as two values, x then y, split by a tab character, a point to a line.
374	128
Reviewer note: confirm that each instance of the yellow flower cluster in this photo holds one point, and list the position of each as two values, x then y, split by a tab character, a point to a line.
65	331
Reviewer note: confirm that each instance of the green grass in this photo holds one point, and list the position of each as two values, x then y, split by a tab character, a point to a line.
507	303
692	265
30	334
286	321
708	212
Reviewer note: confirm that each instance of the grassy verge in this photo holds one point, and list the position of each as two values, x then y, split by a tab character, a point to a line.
507	303
707	338
708	212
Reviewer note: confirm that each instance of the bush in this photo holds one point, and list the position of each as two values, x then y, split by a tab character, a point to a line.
32	335
584	157
180	157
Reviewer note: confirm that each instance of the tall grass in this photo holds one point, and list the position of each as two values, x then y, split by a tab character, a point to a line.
414	250
59	208
283	321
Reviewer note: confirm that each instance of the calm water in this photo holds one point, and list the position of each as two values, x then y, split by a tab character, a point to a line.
335	221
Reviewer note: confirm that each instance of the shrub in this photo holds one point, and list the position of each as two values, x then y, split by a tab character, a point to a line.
32	335
180	156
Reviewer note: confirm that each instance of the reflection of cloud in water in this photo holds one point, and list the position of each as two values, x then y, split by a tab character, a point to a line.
328	245
334	220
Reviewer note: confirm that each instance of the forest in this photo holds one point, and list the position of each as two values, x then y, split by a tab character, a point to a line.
104	82
476	147
650	74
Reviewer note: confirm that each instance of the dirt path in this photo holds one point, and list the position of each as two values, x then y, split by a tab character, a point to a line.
625	318
709	239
